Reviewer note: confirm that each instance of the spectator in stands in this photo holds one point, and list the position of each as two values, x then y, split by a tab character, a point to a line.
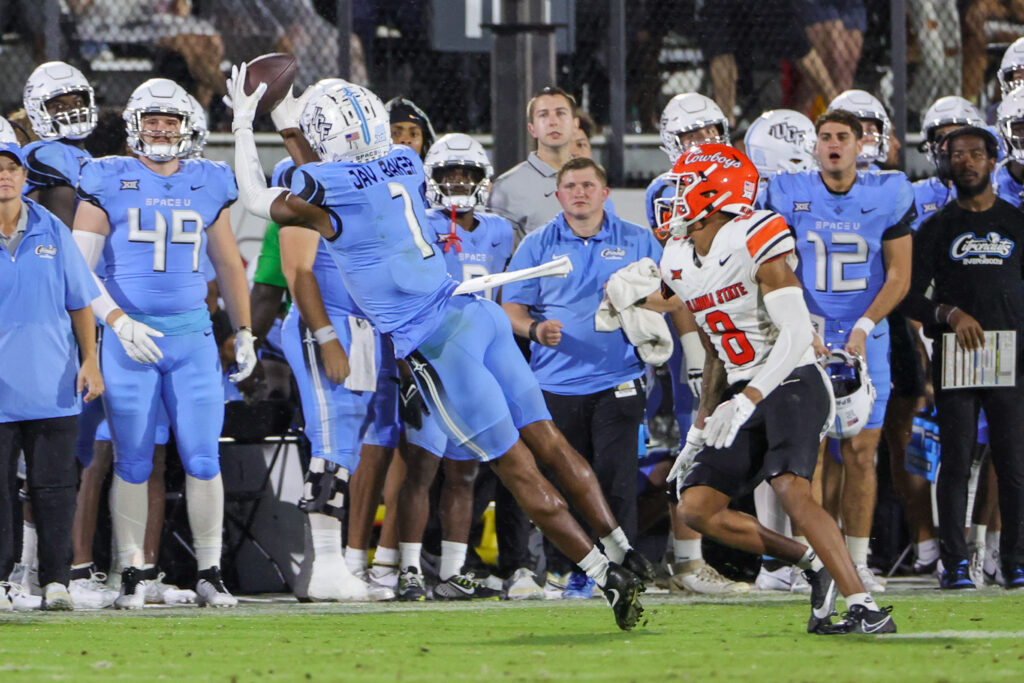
47	324
773	28
525	194
592	381
168	23
836	31
936	24
978	19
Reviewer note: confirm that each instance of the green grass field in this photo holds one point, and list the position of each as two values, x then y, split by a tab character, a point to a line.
943	637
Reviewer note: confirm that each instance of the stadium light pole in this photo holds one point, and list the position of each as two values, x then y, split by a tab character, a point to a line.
344	23
617	95
898	29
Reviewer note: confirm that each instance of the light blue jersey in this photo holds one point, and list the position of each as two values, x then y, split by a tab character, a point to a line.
484	250
154	252
839	236
930	195
1006	186
382	246
53	163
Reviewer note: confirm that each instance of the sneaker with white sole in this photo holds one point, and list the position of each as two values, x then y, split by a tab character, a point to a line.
522	585
21	599
92	592
5	600
993	568
210	590
410	585
697	576
56	598
774	576
333	581
133	589
798	582
376	592
384	576
976	567
160	593
27	577
554	584
872	583
464	587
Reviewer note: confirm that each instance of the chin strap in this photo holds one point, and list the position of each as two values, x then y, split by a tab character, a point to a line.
452	239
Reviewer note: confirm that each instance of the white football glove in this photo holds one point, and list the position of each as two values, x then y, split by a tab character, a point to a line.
136	338
288	111
243	106
695	380
245	355
684	461
721	428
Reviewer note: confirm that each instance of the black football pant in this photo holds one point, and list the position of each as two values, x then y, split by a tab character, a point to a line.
958	423
605	429
49	447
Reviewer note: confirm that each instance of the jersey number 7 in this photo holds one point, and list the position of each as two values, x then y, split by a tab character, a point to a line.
158	235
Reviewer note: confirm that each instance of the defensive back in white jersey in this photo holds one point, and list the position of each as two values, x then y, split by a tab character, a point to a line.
722	292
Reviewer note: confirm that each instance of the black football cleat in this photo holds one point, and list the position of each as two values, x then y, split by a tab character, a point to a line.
635	562
622	589
860	619
823	599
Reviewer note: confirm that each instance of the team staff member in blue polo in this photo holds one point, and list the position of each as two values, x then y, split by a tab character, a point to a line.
45	292
591	380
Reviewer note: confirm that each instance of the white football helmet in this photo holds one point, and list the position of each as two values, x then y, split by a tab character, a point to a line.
7	133
54	79
457	150
346	122
1009	114
854	393
780	140
946	111
688	112
1013	60
200	128
160	96
864	105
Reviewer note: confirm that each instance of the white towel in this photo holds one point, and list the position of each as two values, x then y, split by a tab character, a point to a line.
362	356
646	330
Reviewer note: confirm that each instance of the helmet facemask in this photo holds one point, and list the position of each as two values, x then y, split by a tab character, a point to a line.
459	186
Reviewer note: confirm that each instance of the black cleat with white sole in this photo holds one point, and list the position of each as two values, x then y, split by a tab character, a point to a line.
639	565
823	599
860	619
622	589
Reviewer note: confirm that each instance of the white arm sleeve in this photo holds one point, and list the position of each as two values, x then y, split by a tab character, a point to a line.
252	183
788	311
91	246
693	352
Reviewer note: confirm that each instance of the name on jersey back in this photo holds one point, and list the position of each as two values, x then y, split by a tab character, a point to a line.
365	175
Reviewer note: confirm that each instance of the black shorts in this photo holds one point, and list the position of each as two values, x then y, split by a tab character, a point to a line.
782	436
904	359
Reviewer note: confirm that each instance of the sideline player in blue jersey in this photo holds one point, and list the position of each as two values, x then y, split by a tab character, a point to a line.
945	114
853	240
151	217
474	243
1009	175
366	198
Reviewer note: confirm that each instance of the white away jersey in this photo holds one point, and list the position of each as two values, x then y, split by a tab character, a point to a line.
721	289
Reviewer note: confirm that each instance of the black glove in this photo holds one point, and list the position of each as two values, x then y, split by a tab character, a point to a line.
413	407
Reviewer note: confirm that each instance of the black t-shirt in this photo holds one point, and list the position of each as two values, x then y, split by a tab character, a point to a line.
973	260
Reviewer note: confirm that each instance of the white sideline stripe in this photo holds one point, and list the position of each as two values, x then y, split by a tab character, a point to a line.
428	382
966	635
318	390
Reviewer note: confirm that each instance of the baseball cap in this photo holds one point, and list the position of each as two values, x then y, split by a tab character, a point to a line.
12	150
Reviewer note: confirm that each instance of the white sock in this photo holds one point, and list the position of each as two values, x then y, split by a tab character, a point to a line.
129	508
686	551
595	564
927	551
810	561
326	533
858	547
992	541
29	544
616	545
453	556
386	556
976	534
864	599
205	502
355	559
410	553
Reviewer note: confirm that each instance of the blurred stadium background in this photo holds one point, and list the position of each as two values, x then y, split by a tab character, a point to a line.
623	61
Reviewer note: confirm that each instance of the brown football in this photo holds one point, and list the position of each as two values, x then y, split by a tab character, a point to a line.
277	70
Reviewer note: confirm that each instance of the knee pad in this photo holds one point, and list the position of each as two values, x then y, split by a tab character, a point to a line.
325	489
203	467
133	471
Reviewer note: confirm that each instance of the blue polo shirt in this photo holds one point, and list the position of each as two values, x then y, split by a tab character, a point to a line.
44	279
585	361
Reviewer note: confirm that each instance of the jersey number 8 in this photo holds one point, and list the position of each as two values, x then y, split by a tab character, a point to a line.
734	342
158	235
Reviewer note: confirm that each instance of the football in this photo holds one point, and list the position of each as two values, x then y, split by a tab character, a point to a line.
277	70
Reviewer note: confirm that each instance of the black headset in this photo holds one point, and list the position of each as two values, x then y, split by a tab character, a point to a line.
944	165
